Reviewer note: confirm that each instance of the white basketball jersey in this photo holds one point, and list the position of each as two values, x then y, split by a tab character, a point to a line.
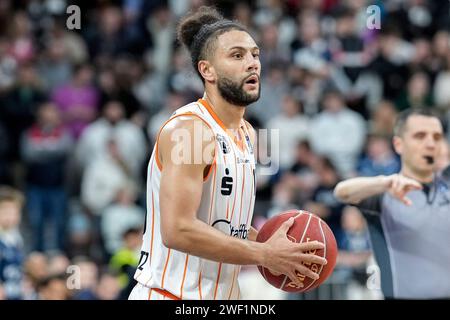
227	204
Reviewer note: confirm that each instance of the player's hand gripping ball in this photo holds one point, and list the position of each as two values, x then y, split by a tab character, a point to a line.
306	227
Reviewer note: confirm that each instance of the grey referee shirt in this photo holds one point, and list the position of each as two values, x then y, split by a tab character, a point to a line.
412	243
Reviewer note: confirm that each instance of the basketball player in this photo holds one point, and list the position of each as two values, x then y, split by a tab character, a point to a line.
408	213
198	231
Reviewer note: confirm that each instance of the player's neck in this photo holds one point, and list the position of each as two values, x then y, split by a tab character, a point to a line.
423	177
231	115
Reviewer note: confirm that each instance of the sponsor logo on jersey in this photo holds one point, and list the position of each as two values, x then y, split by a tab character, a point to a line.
238	232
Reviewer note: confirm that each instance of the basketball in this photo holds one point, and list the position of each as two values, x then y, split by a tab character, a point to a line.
307	227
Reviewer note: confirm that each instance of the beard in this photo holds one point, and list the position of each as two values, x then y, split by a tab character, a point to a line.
234	93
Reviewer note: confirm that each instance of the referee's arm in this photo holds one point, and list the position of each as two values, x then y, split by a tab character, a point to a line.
355	190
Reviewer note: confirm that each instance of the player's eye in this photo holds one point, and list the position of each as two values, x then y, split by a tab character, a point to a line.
237	55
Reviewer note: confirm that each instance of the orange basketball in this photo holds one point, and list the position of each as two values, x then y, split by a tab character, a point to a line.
307	227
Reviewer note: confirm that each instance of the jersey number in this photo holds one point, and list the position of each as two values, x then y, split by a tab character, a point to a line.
142	260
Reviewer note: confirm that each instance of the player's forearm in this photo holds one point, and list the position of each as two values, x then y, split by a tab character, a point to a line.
355	190
199	239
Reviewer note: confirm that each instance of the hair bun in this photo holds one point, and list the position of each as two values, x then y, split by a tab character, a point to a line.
190	26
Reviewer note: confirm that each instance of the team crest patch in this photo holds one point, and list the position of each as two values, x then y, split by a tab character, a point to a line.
223	143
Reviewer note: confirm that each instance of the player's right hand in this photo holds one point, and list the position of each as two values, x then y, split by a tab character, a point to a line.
399	186
287	257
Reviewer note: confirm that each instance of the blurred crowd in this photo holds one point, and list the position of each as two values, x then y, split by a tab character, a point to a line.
80	110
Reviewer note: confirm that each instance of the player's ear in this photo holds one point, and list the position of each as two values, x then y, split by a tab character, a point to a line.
207	70
397	142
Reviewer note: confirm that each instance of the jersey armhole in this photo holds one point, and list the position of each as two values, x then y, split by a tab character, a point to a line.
189	113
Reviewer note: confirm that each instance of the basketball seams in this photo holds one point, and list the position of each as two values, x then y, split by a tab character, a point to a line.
324	250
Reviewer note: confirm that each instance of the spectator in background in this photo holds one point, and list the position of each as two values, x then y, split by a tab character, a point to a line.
108	287
77	100
45	148
283	199
350	53
173	101
379	158
53	287
11	243
8	66
271	50
23	47
301	175
125	260
273	89
73	44
441	93
354	252
121	215
180	76
323	202
35	271
309	49
338	133
103	178
126	71
161	26
383	119
417	94
88	281
4	172
440	48
107	37
292	127
55	67
19	106
443	160
129	139
58	263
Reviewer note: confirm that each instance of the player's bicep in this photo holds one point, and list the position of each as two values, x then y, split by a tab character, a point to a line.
180	195
181	177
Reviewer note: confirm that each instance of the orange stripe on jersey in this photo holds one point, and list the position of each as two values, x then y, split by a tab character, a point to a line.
232	284
166	294
184	276
235	193
150	293
153	210
165	268
217	281
212	195
242	192
189	113
228	206
210	168
200	285
219	122
250	203
153	226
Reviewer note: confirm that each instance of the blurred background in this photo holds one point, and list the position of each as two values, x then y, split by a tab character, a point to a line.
79	111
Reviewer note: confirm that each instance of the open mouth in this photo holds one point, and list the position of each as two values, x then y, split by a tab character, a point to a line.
252	80
429	159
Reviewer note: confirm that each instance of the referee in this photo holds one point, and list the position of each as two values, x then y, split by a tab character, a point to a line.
408	214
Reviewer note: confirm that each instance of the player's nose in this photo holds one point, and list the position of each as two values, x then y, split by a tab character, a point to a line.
253	63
